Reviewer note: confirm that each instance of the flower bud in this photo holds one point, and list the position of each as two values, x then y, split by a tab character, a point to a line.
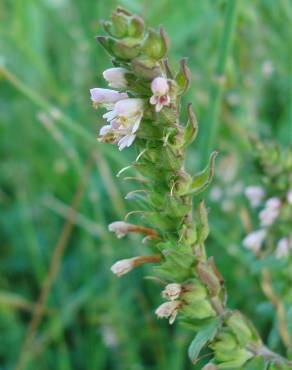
172	291
116	77
156	44
240	328
254	240
168	310
145	68
255	195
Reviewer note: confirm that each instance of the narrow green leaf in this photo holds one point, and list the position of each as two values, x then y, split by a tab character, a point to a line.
205	335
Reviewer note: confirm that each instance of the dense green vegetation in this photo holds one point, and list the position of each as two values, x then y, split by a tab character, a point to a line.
50	161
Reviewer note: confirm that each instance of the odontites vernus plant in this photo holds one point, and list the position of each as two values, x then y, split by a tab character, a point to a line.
142	108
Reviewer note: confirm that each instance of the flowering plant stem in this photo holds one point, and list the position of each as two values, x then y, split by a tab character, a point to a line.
145	110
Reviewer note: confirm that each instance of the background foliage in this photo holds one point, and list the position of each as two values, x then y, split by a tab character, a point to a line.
48	61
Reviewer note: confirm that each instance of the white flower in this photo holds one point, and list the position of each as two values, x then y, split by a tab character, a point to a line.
283	247
172	291
271	211
124	121
168	310
106	97
116	77
254	240
255	195
121	228
160	89
122	267
289	196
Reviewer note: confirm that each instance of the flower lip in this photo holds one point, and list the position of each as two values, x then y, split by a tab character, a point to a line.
106	96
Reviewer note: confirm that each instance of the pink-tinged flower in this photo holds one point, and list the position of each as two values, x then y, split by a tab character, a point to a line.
124	121
106	97
271	211
283	248
116	77
255	195
160	97
254	240
289	196
172	291
168	310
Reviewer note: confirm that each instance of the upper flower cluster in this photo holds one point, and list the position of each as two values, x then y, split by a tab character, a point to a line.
124	114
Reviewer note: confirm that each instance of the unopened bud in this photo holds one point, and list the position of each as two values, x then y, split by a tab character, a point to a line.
156	44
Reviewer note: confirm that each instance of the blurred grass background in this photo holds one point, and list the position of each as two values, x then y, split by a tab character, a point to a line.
49	158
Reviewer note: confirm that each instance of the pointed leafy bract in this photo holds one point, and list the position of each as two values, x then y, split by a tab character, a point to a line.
203	179
206	334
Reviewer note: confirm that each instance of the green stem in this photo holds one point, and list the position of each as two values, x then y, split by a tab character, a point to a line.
217	88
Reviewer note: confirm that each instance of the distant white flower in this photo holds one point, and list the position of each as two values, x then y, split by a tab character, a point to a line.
267	68
216	193
255	195
271	211
168	310
254	240
160	97
124	121
172	291
289	196
116	77
273	203
283	247
121	228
